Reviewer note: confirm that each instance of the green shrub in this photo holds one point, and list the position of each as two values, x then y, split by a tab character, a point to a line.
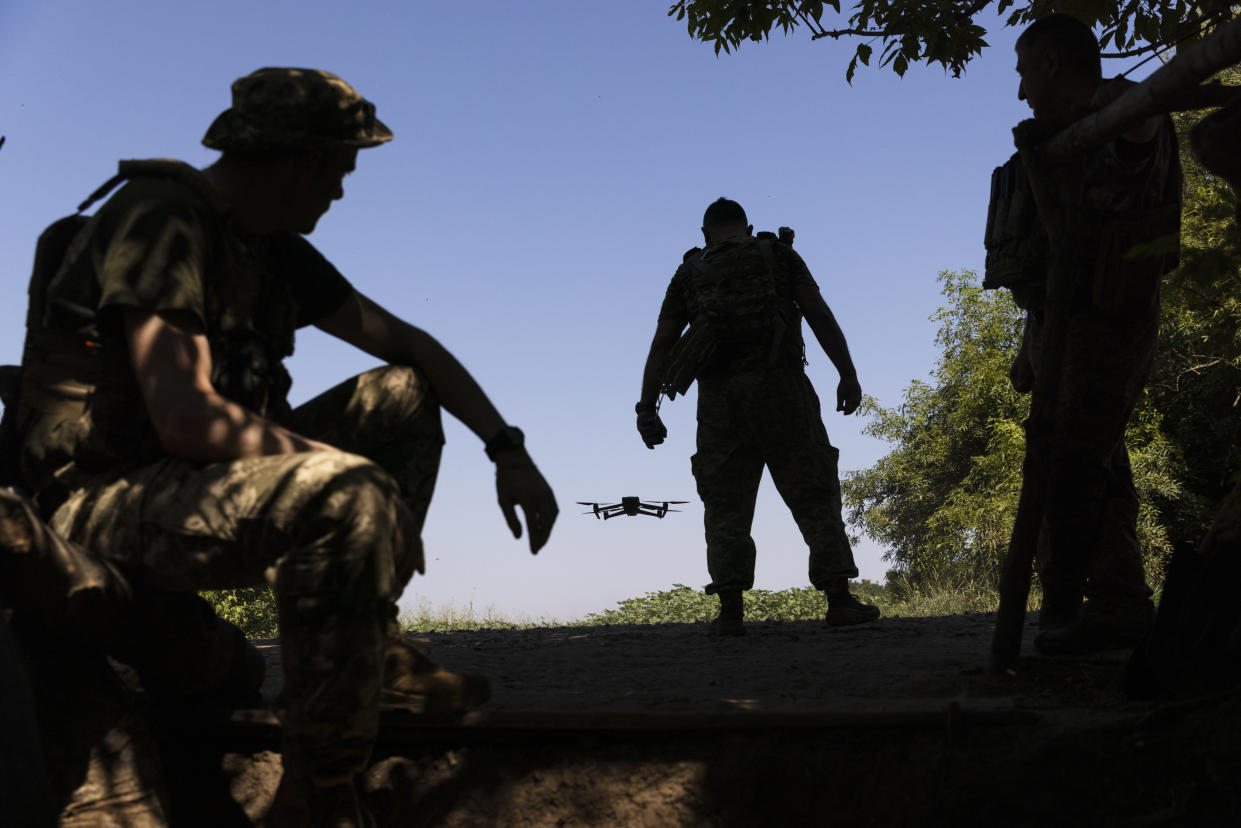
685	605
253	610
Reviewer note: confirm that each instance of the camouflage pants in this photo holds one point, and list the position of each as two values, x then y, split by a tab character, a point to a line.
756	418
1089	544
335	534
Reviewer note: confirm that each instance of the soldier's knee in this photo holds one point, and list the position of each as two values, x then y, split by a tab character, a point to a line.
399	389
351	487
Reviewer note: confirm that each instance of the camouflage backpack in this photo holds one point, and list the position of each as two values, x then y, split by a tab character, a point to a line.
60	245
735	308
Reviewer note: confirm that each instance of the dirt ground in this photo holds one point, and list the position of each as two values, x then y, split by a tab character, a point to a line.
895	723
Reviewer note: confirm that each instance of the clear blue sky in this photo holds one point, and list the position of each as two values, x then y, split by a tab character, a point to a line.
551	164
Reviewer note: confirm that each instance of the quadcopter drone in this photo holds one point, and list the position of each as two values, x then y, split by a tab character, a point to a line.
631	506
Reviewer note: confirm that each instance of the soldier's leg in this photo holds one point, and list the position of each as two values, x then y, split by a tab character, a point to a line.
1091	508
321	526
727	470
804	467
389	415
1116	590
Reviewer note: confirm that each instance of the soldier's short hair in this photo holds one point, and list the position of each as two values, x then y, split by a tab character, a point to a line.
1073	39
722	211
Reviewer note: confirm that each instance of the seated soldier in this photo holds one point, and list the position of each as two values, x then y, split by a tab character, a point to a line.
156	431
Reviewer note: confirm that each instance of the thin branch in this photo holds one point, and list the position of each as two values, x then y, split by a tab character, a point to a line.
1150	47
839	33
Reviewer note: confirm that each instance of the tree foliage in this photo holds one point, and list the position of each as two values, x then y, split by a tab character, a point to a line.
946	32
253	609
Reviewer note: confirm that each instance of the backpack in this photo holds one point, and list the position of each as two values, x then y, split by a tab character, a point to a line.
58	248
735	308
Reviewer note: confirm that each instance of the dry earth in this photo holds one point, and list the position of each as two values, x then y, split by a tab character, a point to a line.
895	723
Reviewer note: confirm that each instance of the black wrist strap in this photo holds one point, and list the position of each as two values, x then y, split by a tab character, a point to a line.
506	439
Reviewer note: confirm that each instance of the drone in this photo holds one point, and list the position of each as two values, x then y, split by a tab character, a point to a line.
631	506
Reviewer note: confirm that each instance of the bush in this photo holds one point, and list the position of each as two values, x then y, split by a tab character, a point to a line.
685	605
253	610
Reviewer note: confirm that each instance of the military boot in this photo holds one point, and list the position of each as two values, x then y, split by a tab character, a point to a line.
413	682
844	610
728	622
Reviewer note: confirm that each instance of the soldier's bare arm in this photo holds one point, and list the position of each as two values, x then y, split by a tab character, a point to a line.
365	325
650	428
831	339
172	363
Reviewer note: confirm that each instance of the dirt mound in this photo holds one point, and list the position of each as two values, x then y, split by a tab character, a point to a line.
894	723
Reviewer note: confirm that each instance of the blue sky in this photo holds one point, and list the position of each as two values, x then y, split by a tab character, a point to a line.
551	164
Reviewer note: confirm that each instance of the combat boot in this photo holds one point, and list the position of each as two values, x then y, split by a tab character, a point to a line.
844	610
728	622
413	682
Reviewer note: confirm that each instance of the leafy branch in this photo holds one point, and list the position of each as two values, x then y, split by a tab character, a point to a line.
946	31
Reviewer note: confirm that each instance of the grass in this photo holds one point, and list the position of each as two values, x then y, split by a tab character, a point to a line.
254	611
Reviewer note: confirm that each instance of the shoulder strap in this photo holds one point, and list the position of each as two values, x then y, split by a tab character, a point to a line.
158	168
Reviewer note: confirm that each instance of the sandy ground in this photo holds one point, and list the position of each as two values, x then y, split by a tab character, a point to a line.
894	723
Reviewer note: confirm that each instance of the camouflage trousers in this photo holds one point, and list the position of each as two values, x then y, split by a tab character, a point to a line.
336	535
757	418
1089	543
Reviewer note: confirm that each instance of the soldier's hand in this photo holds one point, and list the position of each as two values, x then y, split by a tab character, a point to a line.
519	483
1020	374
848	395
651	428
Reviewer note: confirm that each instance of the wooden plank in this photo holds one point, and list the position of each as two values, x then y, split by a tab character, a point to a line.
1168	88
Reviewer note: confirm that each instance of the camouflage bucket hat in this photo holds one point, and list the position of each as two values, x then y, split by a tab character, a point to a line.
295	109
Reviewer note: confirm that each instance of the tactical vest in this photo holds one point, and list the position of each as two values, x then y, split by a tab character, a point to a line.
250	320
736	311
1128	248
1015	239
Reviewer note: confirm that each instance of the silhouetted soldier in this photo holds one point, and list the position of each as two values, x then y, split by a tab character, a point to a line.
1126	220
156	431
743	298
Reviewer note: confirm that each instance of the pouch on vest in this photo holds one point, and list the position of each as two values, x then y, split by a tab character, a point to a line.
1015	239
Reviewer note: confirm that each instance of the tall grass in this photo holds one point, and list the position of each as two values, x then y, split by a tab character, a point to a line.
426	617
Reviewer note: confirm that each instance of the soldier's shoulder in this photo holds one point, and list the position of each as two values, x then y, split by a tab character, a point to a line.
689	254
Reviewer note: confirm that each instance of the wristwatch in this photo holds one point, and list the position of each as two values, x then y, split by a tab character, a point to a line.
506	439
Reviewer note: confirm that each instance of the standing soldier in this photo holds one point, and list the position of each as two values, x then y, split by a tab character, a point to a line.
156	432
743	298
1125	223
